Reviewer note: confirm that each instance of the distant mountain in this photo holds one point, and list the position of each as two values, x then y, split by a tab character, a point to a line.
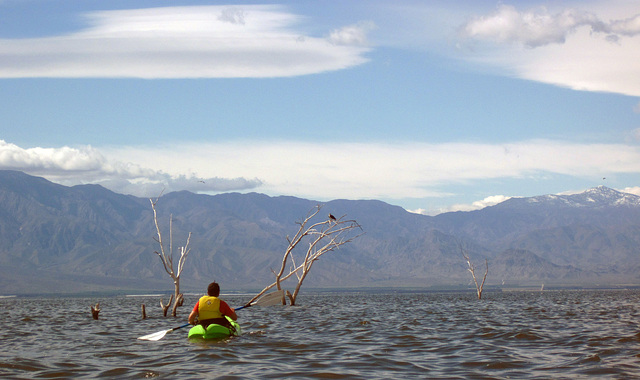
498	226
86	238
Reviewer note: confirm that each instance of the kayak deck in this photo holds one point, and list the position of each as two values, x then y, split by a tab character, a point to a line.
215	331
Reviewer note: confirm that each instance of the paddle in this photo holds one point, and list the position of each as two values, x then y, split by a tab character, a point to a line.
266	300
160	334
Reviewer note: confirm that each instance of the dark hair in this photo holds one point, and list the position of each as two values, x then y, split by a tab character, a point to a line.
213	289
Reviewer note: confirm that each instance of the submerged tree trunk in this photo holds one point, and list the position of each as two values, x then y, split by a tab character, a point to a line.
95	311
165	308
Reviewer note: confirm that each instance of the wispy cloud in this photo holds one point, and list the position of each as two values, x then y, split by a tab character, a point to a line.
573	47
321	171
185	42
386	171
353	35
633	136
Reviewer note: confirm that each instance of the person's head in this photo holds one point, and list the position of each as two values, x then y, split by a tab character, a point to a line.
213	289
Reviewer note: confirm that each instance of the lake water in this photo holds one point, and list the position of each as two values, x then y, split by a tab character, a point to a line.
510	335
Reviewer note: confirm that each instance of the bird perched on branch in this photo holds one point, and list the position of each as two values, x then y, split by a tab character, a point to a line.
331	217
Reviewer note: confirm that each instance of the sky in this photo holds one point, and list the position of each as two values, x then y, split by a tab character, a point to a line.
433	106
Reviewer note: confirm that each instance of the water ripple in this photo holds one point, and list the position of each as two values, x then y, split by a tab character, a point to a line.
560	335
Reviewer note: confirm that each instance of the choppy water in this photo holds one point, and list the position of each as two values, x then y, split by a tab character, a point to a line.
550	335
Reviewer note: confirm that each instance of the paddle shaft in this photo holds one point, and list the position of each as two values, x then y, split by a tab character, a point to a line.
179	327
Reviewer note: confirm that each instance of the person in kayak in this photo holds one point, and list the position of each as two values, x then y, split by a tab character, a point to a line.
210	309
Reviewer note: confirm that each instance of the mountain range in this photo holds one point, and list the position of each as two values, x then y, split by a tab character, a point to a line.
85	238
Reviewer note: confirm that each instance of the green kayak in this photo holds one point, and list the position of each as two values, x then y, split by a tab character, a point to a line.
215	331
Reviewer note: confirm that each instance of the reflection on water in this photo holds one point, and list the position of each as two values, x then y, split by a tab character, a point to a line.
555	334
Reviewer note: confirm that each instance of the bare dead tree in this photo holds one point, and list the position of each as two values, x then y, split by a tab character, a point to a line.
322	237
471	268
167	260
95	311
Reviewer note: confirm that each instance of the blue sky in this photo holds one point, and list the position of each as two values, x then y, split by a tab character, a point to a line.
431	105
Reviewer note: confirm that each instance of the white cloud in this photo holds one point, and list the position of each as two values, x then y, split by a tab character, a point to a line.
322	171
477	205
531	28
354	35
182	42
383	171
47	159
572	48
635	190
87	165
539	27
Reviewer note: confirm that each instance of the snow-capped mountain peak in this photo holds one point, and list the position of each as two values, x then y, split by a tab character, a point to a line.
596	197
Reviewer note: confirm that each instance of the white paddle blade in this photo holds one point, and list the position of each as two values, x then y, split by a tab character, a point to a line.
270	299
155	336
160	334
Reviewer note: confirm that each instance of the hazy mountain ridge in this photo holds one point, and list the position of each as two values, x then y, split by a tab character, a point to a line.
87	238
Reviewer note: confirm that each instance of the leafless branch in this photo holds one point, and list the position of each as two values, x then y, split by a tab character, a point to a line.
321	237
471	268
167	260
